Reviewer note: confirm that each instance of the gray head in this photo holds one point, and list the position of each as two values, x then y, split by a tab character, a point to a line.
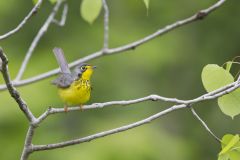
83	70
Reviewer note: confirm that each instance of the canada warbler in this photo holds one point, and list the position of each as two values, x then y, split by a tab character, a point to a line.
74	88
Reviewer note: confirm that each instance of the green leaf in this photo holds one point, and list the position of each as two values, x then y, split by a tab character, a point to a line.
229	65
90	10
53	1
230	103
214	77
226	139
223	157
237	147
228	142
234	155
230	148
146	2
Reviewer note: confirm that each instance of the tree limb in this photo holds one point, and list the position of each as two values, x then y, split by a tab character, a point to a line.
181	104
106	133
198	16
212	95
27	149
51	110
23	22
13	92
34	122
208	96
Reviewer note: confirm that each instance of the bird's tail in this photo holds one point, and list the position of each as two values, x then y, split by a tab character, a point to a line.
58	52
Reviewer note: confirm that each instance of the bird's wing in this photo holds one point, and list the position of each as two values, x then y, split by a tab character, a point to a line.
63	81
58	52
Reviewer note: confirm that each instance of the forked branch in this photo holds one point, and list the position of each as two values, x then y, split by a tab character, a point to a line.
184	104
41	32
13	92
198	16
180	104
34	122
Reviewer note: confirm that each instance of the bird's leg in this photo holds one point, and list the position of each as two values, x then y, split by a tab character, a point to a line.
81	107
65	108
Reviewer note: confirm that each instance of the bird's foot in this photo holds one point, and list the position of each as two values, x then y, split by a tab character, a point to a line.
65	108
81	107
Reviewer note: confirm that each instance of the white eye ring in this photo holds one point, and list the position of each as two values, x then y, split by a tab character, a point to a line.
83	68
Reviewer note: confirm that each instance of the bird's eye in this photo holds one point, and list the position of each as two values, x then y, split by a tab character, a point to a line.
83	68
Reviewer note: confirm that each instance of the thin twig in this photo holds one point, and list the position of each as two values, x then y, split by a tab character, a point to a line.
109	132
204	124
198	16
36	40
106	26
238	80
63	18
23	22
13	92
216	93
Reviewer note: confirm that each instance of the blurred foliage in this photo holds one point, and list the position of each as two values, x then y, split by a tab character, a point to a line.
169	66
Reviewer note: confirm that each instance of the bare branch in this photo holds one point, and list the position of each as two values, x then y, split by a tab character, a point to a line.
28	143
106	26
109	132
212	95
198	16
13	92
50	73
34	122
208	96
216	93
38	37
106	104
23	22
204	124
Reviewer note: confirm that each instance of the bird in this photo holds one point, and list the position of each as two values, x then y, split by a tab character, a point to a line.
74	88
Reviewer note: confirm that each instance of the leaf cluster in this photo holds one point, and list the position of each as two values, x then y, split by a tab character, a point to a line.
214	77
230	148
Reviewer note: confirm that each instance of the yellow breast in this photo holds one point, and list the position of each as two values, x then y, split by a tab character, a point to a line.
77	94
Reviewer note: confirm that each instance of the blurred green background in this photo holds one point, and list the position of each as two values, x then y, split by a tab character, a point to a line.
169	66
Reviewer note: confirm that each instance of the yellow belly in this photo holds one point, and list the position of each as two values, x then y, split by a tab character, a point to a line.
76	94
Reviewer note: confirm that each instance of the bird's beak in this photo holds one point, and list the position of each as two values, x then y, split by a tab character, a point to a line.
93	67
